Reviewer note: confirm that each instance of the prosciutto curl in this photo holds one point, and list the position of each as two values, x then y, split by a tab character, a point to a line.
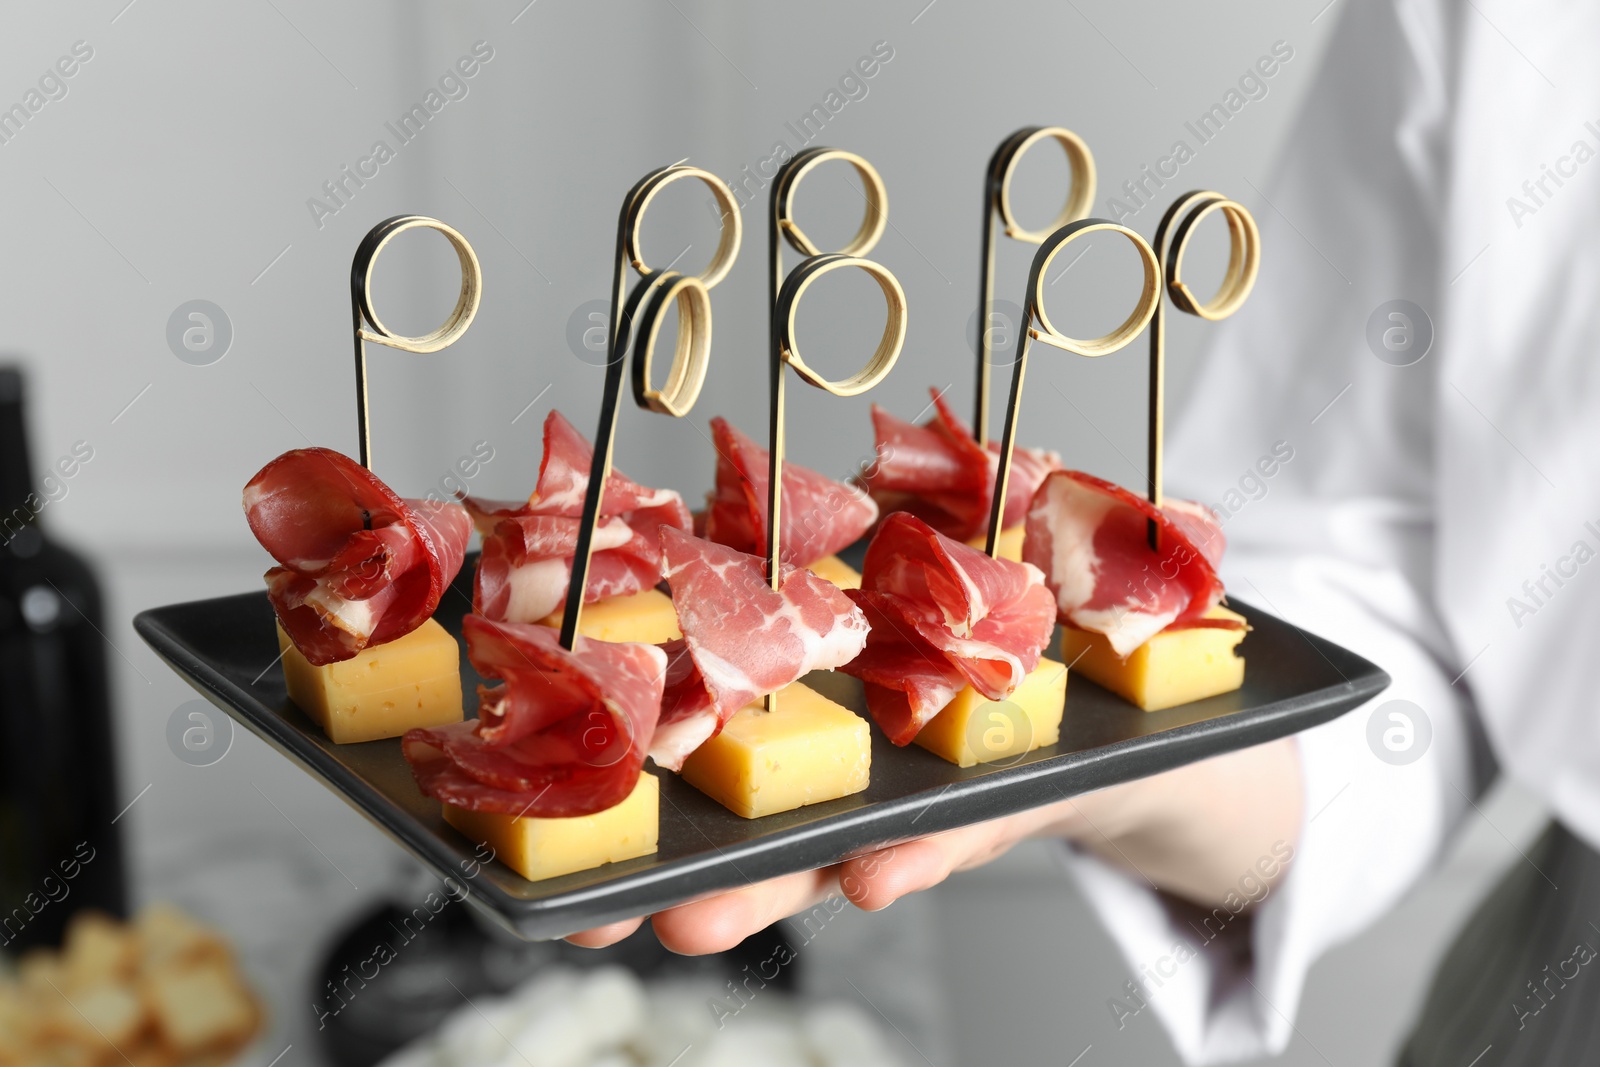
357	565
820	515
944	616
741	639
1090	538
526	563
938	473
564	734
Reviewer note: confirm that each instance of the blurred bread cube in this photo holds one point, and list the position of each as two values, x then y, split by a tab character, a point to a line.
166	936
96	948
149	1052
163	991
18	1024
41	971
63	1054
200	1007
206	1059
107	1014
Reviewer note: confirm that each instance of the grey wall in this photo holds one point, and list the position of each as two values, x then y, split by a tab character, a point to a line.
180	163
178	167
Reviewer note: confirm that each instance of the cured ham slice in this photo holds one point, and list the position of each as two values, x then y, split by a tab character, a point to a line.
943	616
820	515
526	563
563	734
358	566
1090	538
937	472
741	639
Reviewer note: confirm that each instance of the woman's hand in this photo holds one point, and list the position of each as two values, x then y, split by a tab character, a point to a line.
871	881
1194	832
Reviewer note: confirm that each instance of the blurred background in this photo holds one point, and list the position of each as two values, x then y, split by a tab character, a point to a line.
203	152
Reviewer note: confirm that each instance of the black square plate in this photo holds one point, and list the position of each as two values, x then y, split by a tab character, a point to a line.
1295	681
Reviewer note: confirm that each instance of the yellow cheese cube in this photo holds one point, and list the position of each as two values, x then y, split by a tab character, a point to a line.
544	848
763	762
647	617
837	571
1173	667
1010	543
382	691
973	729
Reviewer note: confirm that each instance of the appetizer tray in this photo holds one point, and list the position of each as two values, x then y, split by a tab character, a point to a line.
1295	680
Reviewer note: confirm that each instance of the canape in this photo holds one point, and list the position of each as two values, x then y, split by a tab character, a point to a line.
953	660
550	774
744	640
1146	623
360	573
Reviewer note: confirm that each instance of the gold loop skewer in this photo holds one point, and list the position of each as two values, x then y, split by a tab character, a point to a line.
1149	298
997	204
894	326
638	323
781	221
637	203
367	326
692	357
1244	263
785	295
786	350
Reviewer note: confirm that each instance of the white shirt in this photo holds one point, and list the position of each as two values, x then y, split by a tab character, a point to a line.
1420	499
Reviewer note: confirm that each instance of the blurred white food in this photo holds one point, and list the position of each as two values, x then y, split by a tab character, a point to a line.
608	1018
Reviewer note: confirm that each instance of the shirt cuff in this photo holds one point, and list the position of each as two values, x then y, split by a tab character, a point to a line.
1227	984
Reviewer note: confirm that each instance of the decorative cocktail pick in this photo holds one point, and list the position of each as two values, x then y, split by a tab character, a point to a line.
638	323
359	569
786	294
368	327
997	204
1244	262
1034	312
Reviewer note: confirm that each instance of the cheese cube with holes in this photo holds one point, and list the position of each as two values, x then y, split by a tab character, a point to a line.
973	729
382	691
544	848
837	571
1173	667
646	617
807	751
1010	543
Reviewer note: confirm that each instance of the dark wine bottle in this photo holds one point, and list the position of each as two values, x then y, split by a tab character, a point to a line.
60	849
